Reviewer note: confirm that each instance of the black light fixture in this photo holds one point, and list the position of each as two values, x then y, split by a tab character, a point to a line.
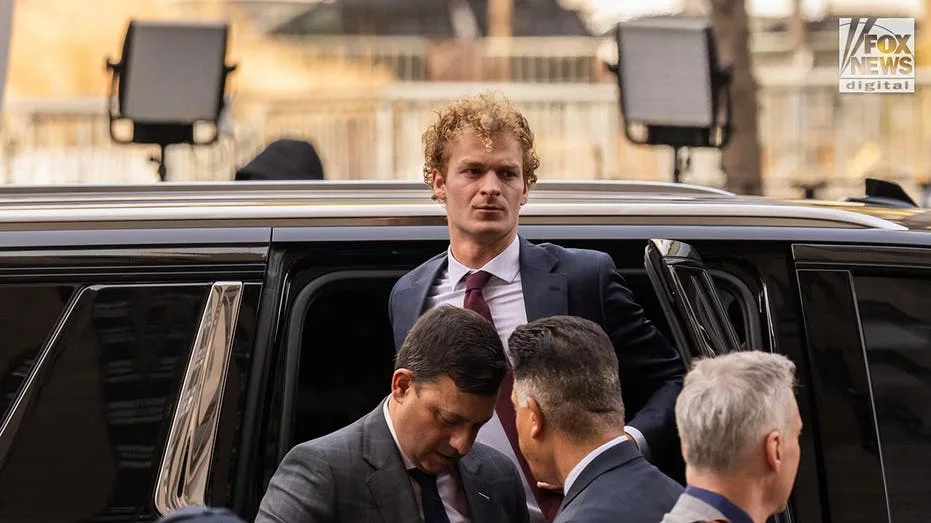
171	77
672	89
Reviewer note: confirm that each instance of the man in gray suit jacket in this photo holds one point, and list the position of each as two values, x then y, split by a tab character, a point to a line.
412	459
570	420
740	424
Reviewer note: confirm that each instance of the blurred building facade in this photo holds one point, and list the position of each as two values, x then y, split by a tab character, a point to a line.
360	79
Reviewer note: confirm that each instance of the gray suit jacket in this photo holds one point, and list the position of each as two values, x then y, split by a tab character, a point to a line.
619	486
689	509
356	474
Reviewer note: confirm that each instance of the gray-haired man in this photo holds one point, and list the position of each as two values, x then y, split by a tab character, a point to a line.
570	424
739	424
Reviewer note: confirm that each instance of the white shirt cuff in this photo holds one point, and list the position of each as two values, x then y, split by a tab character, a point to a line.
641	441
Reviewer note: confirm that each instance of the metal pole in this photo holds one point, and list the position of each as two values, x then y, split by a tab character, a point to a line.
6	34
681	162
676	170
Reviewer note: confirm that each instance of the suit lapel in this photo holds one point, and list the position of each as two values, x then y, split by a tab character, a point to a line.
389	483
616	456
478	491
411	299
545	291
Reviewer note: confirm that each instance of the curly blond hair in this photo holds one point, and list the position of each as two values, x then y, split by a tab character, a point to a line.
487	115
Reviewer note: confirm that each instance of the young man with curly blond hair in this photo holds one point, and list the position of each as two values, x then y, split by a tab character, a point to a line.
480	164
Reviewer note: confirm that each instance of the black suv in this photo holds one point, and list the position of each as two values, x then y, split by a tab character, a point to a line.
167	345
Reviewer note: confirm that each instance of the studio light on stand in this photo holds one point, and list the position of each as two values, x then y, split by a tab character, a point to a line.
672	89
170	79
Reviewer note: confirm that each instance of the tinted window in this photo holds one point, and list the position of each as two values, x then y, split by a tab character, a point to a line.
896	320
843	418
710	318
89	446
738	311
27	316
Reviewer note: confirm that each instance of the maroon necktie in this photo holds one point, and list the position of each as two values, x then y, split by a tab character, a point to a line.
547	500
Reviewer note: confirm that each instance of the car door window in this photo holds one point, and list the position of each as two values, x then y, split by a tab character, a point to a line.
843	418
691	303
87	447
28	314
896	322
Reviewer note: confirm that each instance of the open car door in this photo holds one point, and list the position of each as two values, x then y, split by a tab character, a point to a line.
689	299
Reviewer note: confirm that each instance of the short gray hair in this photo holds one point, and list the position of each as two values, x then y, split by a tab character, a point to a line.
568	365
729	403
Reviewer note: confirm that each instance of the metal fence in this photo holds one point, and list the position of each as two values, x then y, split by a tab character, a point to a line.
808	131
415	59
550	59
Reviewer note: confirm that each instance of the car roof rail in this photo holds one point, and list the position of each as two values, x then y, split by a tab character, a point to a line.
885	193
627	186
601	186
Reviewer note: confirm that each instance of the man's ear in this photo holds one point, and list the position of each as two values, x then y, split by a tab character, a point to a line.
402	384
537	420
439	185
774	450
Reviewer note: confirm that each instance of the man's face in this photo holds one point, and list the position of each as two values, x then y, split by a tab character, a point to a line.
435	422
483	189
533	446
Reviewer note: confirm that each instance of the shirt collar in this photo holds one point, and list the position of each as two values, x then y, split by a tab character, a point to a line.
587	460
723	505
408	464
505	266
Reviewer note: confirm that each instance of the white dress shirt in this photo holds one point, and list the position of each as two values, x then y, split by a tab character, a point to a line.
505	297
454	500
588	459
503	292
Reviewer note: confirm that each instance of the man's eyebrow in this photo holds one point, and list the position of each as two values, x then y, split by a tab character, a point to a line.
468	162
451	415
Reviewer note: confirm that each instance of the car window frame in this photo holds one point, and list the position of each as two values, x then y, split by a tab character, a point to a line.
294	340
661	258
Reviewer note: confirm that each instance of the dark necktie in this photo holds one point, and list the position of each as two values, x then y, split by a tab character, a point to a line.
433	509
547	500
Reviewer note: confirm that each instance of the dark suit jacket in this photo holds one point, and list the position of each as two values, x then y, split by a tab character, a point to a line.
578	282
356	474
619	486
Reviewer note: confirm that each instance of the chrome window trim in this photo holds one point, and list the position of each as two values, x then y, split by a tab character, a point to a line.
185	466
770	322
629	210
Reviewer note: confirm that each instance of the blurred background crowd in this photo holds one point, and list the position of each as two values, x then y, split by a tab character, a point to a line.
359	79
